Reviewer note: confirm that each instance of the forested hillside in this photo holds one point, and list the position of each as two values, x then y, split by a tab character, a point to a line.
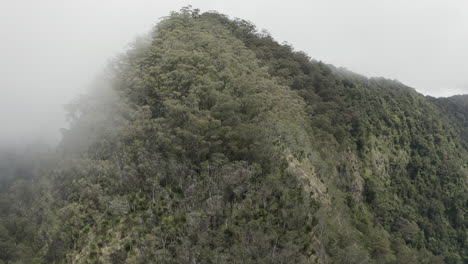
209	142
456	108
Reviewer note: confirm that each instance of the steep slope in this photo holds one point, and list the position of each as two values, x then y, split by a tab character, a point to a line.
195	169
456	108
209	142
399	162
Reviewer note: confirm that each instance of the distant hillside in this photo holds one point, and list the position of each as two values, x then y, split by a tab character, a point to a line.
209	142
456	107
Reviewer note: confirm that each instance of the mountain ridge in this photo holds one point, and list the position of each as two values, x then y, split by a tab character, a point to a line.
210	142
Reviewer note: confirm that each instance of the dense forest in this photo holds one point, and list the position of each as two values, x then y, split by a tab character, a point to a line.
210	142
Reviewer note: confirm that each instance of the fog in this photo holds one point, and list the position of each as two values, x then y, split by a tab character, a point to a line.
51	50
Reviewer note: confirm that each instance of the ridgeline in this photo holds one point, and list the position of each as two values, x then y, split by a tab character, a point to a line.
209	142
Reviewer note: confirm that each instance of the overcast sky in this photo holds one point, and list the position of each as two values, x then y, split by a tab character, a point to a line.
50	50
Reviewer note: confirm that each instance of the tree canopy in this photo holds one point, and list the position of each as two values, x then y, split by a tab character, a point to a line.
209	142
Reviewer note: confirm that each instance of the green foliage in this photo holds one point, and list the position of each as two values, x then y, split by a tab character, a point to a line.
210	142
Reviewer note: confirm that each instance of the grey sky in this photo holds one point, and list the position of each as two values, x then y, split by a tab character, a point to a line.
50	50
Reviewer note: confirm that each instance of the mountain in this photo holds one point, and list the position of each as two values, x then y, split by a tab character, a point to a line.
456	108
209	142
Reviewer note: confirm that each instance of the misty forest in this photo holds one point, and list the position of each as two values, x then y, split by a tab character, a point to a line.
210	142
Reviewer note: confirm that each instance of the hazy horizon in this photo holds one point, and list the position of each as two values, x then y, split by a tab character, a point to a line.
52	50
